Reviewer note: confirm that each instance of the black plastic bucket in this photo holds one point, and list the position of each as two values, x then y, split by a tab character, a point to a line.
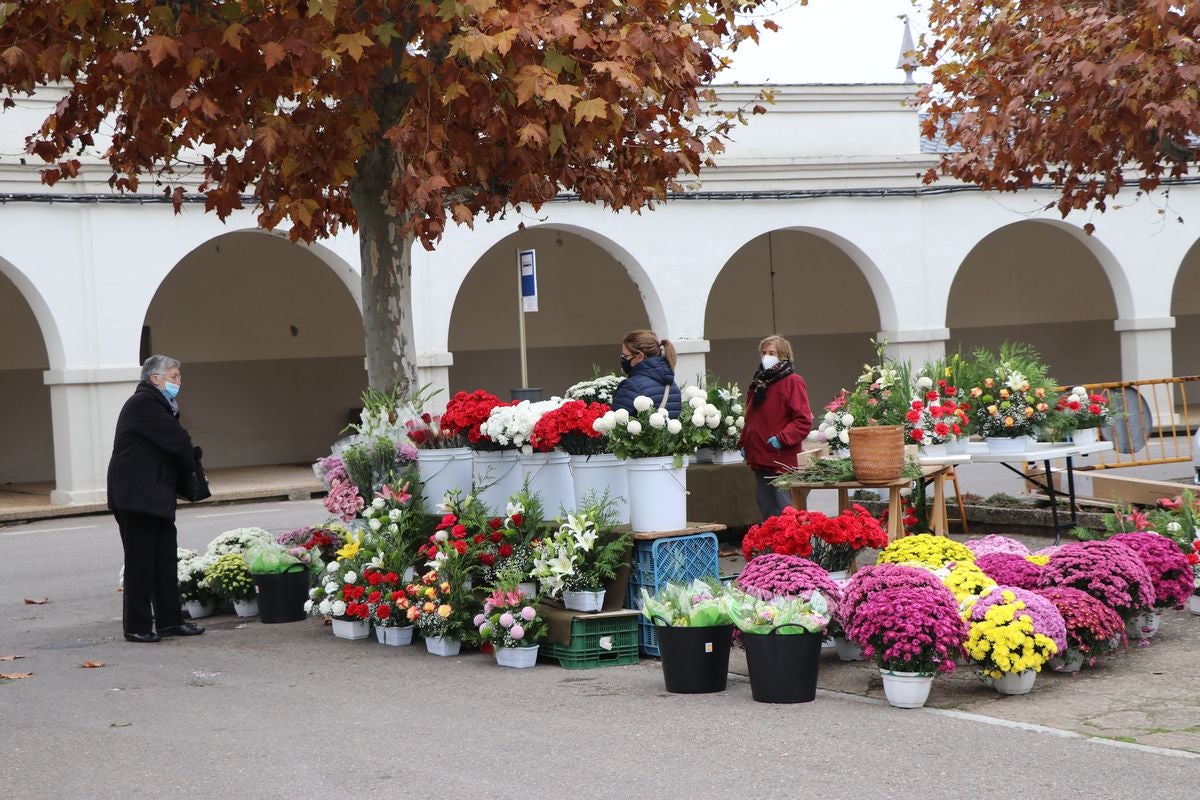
695	660
783	668
281	596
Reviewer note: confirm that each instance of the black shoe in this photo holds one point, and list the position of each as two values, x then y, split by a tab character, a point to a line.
144	638
184	629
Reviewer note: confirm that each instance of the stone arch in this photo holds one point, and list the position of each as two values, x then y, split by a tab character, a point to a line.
810	286
270	334
1185	308
1046	283
591	292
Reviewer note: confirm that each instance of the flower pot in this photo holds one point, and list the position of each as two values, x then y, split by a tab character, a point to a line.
281	596
248	607
517	657
839	575
583	601
727	457
783	668
199	610
496	476
934	450
694	660
957	446
906	689
441	646
1070	661
1086	436
528	590
602	473
877	453
351	628
1015	682
1008	444
1194	604
847	650
395	637
441	471
657	494
704	455
549	476
1144	625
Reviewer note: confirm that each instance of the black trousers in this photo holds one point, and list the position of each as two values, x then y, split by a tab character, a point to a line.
151	579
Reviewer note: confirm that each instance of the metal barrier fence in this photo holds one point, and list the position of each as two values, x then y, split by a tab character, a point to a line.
1154	421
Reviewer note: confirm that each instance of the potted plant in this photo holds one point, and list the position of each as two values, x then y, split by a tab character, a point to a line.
599	389
1171	575
694	632
937	416
1010	404
443	458
575	428
282	579
936	551
994	543
437	608
964	579
833	429
1006	641
782	636
1108	571
195	590
1081	414
787	533
547	469
727	400
913	632
387	606
837	541
580	557
1093	628
238	540
231	580
394	525
775	575
881	397
1010	569
340	592
511	624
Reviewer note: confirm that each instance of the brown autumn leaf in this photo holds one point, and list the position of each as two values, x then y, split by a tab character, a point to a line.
10	658
14	676
31	602
92	664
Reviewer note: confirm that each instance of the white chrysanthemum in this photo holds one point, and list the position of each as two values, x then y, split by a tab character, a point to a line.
697	420
710	410
325	607
712	422
634	427
333	566
691	391
696	403
642	403
621	416
350	577
331	588
1174	527
844	436
847	420
674	427
814	434
924	382
830	417
308	604
313	592
731	430
728	420
658	420
1079	391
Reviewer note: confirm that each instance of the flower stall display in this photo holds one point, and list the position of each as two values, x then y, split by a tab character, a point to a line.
833	428
575	428
282	578
837	541
580	557
238	541
913	632
994	543
394	526
195	589
774	575
937	416
1004	642
444	463
230	580
1108	571
437	608
782	636
512	626
1010	569
1093	629
512	425
599	389
1171	574
1011	402
465	414
936	551
726	437
965	579
787	533
375	463
544	467
340	592
1082	413
694	633
387	606
1047	620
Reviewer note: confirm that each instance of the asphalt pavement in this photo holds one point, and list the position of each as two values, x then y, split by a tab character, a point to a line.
287	711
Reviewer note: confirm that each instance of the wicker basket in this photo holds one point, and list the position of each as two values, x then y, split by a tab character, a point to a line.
877	453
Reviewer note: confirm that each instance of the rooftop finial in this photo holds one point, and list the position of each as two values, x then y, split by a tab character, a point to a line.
908	52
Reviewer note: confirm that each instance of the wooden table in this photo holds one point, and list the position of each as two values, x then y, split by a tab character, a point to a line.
932	473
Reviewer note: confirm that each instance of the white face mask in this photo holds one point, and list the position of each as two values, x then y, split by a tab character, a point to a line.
769	361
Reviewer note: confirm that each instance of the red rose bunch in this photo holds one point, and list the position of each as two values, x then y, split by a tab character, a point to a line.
467	411
571	427
788	533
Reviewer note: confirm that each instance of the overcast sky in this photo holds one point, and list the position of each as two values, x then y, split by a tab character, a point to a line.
827	41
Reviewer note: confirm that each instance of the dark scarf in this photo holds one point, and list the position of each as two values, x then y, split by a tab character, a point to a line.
765	377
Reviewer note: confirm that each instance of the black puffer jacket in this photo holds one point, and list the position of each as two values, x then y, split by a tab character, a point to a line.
150	451
648	377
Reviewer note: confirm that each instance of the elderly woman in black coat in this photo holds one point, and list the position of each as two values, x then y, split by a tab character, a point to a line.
650	366
151	453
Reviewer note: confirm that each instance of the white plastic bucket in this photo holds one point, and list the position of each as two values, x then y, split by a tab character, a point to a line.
441	471
549	476
497	477
598	474
657	494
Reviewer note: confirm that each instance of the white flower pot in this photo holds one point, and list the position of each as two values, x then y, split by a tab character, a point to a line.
839	575
517	657
246	608
727	457
200	610
934	450
441	471
583	601
1086	436
1144	625
848	650
549	476
599	474
351	628
528	590
957	446
1070	661
657	494
396	637
906	689
441	646
1007	444
1194	604
497	475
704	455
1015	682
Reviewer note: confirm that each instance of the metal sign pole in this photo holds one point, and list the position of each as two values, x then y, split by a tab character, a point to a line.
521	324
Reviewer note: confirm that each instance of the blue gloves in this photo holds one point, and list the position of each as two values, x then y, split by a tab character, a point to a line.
742	452
774	442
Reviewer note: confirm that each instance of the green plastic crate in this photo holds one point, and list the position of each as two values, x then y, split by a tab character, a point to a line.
597	642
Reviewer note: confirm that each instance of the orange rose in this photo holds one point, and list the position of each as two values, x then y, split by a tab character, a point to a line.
993	410
1028	411
976	392
428	608
988	382
1004	394
1039	393
444	611
1008	422
1042	407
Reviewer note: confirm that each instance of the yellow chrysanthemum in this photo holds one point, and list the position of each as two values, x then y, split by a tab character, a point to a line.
936	551
965	580
1041	561
1004	640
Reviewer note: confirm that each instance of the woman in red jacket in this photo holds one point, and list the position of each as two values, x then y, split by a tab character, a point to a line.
777	421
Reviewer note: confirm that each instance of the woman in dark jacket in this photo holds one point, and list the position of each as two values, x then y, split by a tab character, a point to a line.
778	420
151	451
650	366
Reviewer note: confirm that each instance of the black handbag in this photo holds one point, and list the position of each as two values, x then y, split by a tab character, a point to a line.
193	486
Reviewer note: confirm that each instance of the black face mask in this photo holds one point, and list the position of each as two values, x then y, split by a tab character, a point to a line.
626	367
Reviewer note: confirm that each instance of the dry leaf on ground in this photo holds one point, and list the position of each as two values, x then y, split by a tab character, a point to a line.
10	658
92	664
15	676
32	602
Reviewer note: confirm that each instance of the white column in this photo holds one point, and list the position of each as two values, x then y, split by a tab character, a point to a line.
916	346
84	404
690	360
1146	347
433	370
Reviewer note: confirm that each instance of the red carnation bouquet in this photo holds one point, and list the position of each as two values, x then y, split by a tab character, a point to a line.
466	412
386	598
571	427
837	541
429	432
788	533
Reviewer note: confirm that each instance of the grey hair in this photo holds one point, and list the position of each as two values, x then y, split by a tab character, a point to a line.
157	365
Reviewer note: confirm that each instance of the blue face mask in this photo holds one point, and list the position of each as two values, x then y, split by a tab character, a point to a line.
170	389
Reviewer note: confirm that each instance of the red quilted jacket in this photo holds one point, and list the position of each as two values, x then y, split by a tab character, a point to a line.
781	411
